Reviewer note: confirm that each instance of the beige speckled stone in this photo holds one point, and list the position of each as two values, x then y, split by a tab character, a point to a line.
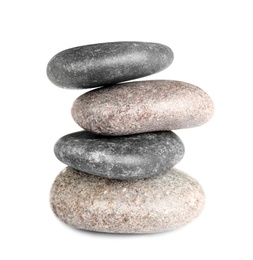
142	206
142	106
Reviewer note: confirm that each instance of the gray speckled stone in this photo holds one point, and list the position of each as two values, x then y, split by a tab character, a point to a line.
157	204
124	158
107	63
142	106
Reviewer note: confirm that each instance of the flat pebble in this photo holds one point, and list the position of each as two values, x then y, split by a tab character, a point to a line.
157	204
142	106
107	63
124	158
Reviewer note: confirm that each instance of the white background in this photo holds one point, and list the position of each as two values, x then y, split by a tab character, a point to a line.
213	47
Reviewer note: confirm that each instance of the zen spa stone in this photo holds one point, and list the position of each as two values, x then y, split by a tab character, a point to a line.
150	205
124	158
107	63
142	106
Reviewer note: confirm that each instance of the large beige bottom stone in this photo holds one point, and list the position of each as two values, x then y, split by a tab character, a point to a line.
151	205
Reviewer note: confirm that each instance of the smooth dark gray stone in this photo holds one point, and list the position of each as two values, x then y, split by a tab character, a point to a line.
107	63
124	158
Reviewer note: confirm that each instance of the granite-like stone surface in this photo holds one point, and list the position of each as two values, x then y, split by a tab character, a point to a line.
107	63
157	204
124	158
142	106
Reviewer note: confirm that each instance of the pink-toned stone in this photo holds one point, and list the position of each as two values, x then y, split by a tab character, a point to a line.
151	205
142	106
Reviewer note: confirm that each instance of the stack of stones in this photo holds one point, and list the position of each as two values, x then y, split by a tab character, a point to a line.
120	176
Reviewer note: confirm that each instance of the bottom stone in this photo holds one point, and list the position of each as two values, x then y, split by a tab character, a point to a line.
151	205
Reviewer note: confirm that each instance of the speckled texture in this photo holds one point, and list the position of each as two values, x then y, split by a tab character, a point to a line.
124	158
107	63
142	106
151	205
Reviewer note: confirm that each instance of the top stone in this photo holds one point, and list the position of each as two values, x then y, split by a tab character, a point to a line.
101	64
